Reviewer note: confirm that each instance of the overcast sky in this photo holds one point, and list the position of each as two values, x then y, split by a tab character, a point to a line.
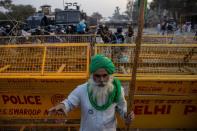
105	7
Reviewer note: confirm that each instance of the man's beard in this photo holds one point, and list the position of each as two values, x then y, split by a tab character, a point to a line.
101	93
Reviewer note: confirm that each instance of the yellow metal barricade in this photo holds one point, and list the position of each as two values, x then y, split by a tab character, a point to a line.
154	58
166	83
34	78
44	60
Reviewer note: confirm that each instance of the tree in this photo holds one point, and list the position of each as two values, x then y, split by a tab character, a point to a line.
18	12
116	14
21	12
15	12
6	3
135	12
129	9
174	7
5	6
97	15
2	16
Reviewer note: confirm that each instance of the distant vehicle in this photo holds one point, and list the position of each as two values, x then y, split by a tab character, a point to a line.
69	16
66	19
38	19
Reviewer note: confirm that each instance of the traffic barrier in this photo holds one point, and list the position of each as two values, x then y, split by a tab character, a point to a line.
33	78
91	38
154	58
38	39
168	39
56	59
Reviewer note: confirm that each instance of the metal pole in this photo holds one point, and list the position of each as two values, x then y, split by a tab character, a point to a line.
136	58
63	5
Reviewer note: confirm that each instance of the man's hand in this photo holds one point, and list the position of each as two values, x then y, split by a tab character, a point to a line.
58	109
129	118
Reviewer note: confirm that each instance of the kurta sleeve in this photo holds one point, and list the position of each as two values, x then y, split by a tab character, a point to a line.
73	99
121	107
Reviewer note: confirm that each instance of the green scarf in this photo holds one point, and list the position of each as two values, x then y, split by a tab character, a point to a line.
113	97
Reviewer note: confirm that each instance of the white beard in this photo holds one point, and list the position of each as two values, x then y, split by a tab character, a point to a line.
101	93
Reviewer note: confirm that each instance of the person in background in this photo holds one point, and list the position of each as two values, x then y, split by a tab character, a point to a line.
129	34
81	27
163	27
158	29
195	36
118	36
2	31
106	35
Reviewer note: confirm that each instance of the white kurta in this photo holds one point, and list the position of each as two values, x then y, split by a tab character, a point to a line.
92	119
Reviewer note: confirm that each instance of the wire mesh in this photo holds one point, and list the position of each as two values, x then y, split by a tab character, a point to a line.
48	39
168	39
57	58
20	59
91	38
153	59
66	59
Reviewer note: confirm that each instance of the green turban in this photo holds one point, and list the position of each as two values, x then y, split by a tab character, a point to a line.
100	61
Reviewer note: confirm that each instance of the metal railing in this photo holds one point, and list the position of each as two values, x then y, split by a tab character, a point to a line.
154	58
168	39
91	38
44	59
38	39
61	59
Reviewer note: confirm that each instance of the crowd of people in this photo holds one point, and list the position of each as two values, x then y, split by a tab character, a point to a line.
166	27
10	30
171	27
117	37
107	35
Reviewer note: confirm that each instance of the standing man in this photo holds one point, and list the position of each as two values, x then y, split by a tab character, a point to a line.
195	36
163	27
81	27
118	37
158	29
129	34
98	99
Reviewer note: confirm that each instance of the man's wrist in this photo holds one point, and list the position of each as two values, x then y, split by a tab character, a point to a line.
62	103
125	115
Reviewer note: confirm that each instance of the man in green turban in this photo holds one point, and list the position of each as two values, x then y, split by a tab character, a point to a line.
98	99
100	61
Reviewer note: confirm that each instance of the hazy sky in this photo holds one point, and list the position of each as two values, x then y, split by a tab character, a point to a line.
105	7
